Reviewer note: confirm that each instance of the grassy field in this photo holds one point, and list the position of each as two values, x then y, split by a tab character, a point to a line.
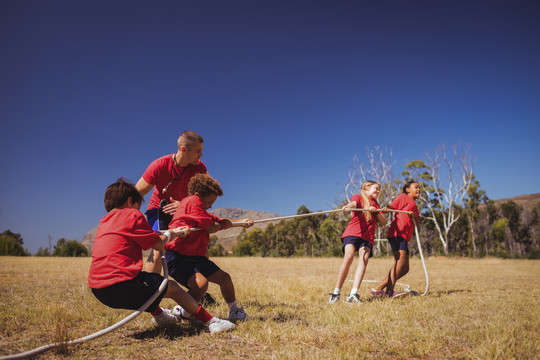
475	309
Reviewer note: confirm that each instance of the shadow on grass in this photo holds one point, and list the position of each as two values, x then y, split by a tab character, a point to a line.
447	292
169	333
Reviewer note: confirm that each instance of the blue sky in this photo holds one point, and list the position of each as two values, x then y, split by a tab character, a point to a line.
285	93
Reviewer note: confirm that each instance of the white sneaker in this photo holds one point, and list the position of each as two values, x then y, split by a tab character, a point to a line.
178	312
354	298
238	314
334	298
165	319
216	325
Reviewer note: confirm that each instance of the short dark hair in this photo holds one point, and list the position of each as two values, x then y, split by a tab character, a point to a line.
204	185
408	185
117	194
189	138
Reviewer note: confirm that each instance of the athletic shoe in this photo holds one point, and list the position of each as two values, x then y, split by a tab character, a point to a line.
334	298
178	312
354	298
216	325
377	292
165	319
398	294
238	314
207	300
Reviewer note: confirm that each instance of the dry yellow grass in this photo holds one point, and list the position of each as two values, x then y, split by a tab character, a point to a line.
476	309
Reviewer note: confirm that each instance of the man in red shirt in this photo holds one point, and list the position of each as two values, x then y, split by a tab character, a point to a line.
169	176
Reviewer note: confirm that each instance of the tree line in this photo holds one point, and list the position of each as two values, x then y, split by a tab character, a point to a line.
11	244
457	217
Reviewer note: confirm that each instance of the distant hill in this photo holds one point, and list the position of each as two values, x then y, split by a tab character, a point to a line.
527	201
227	238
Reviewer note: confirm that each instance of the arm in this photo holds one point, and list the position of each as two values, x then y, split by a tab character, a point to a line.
246	223
352	205
168	235
143	187
415	217
215	227
381	218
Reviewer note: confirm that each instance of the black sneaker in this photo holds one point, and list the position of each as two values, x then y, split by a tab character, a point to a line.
207	300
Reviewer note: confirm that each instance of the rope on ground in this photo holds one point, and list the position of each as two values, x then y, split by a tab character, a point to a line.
119	324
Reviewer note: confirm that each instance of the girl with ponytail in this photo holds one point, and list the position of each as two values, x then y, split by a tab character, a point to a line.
359	236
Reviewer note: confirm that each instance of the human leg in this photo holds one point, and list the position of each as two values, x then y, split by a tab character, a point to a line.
348	258
225	283
198	284
153	263
377	290
363	253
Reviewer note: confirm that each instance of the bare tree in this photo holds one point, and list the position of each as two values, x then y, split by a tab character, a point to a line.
448	181
379	169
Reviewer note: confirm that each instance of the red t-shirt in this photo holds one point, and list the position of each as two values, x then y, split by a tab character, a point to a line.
161	171
358	225
191	213
402	225
121	237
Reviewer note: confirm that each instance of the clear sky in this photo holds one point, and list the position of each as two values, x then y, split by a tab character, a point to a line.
285	93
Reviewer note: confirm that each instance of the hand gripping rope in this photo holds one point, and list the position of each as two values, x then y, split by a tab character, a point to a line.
149	302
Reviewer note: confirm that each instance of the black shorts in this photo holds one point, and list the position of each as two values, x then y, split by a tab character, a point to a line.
157	219
132	294
358	243
183	267
398	243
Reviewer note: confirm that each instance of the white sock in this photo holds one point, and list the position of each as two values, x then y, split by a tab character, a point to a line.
354	291
337	291
232	305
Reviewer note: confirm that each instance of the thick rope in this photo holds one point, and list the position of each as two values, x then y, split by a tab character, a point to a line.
149	302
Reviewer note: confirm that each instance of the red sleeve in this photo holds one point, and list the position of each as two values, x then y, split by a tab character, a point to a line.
143	234
203	218
397	203
151	174
358	199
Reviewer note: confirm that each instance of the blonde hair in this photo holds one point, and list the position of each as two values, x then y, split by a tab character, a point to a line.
365	199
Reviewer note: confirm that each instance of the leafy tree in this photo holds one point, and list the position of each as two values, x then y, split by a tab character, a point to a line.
69	248
11	244
14	236
43	252
215	249
475	197
498	231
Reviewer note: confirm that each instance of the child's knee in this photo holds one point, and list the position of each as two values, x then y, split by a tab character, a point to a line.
348	259
199	282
